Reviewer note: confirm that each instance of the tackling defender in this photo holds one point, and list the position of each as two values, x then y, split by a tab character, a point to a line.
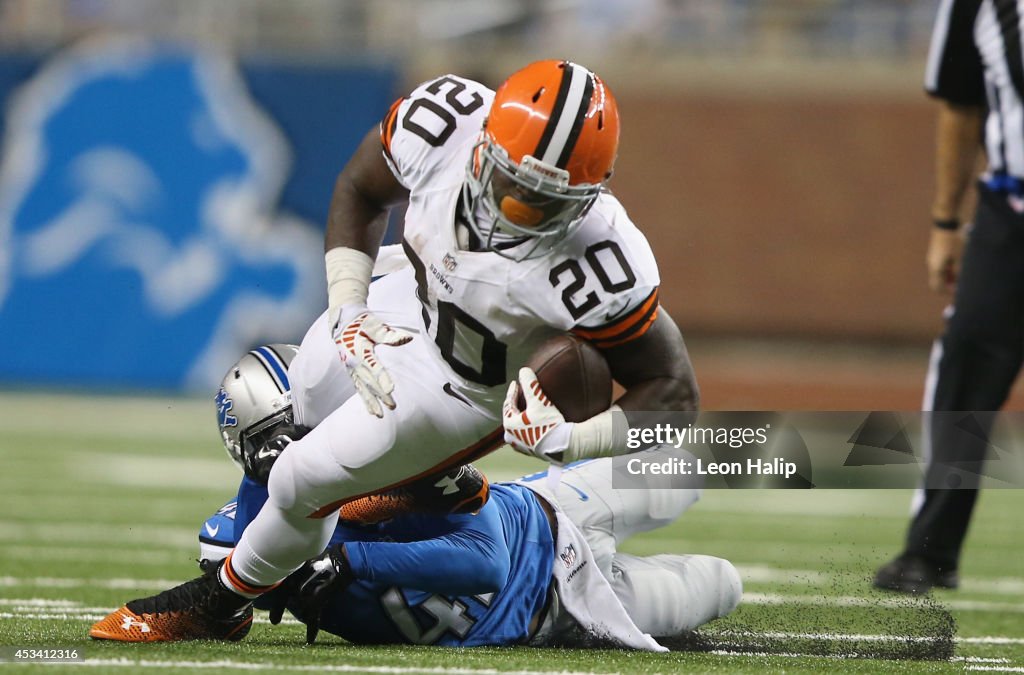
510	237
535	566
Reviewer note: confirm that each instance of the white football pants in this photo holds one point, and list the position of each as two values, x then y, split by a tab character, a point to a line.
349	452
663	594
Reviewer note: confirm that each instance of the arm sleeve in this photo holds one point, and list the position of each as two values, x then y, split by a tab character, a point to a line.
473	558
955	71
251	498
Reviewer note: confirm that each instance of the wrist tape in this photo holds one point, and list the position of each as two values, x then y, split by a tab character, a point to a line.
348	278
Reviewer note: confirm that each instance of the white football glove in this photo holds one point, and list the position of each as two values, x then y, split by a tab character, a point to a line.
357	333
540	430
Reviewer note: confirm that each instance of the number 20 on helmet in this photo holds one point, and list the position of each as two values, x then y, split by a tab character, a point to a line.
545	154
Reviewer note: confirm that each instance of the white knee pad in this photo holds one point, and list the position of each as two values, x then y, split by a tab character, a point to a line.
665	506
671	594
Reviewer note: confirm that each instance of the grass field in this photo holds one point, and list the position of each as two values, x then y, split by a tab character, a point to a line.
101	499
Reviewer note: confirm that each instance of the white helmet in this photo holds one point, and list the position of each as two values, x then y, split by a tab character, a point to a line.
254	400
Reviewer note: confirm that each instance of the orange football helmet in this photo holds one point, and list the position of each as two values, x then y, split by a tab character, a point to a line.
545	154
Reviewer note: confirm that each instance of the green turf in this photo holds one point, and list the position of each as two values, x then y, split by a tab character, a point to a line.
101	499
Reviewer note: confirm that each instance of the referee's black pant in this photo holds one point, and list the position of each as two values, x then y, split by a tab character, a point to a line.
981	353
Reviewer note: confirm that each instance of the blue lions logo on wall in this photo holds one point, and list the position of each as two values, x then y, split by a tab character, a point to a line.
139	244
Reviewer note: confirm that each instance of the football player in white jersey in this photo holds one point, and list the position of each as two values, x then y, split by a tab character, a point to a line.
510	237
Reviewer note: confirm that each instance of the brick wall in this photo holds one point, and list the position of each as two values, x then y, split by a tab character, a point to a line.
785	216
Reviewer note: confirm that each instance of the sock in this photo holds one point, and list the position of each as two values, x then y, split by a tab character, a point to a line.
231	580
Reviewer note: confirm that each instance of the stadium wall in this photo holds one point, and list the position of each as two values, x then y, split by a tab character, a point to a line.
796	216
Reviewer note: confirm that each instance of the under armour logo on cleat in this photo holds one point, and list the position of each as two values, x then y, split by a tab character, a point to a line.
448	485
129	621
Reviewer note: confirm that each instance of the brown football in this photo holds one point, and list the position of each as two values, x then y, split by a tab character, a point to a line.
574	375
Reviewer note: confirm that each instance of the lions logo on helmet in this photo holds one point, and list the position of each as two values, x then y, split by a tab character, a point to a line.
254	401
224	405
546	152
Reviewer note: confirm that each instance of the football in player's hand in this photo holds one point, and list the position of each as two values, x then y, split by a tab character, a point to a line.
574	375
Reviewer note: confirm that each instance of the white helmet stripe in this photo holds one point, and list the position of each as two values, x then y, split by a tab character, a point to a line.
571	105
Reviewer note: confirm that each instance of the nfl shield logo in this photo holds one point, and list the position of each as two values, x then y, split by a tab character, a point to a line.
568	555
449	262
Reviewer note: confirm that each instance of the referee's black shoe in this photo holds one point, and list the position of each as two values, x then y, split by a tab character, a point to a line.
914	574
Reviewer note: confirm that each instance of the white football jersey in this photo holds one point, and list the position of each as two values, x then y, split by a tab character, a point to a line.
485	313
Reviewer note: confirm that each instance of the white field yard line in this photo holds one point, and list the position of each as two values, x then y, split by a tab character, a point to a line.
64	610
797	655
65	582
984	639
838	637
315	668
749	573
408	670
972	663
761	573
93	618
93	614
748	597
25	609
901	602
396	670
71	610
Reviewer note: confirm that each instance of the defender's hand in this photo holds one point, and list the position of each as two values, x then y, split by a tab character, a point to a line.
357	334
540	430
310	587
943	259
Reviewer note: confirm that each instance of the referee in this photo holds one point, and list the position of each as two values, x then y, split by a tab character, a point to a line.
975	64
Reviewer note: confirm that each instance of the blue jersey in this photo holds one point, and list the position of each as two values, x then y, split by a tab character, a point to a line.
457	580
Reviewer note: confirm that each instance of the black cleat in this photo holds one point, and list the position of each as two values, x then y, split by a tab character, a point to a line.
913	574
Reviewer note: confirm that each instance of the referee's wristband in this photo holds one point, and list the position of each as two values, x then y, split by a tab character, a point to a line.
951	224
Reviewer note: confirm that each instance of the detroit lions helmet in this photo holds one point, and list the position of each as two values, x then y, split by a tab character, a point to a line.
545	154
254	407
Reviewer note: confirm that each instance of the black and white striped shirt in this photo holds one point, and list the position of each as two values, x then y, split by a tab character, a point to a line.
976	58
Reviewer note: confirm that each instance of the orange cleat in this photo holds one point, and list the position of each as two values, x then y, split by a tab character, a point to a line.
463	489
201	609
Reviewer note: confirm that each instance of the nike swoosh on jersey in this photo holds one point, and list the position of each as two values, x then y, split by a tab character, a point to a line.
447	388
583	495
613	315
